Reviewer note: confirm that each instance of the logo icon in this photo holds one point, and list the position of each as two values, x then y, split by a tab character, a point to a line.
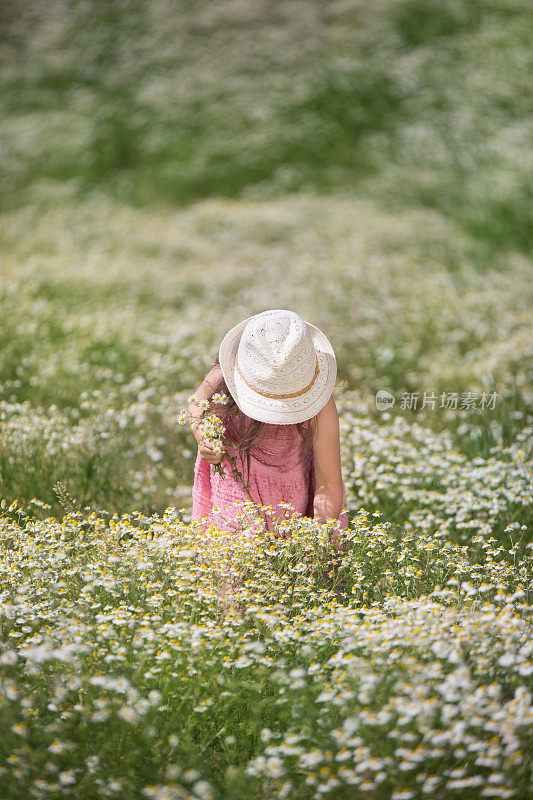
384	400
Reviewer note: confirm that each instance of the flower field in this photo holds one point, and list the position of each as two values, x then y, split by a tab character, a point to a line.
141	659
169	170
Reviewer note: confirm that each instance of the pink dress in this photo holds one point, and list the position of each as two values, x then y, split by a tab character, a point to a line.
276	475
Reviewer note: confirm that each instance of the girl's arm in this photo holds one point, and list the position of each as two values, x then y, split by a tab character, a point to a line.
327	461
204	392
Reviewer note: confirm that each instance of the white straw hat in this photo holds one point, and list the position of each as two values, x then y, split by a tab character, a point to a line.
278	367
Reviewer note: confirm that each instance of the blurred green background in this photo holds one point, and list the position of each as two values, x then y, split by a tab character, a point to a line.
408	101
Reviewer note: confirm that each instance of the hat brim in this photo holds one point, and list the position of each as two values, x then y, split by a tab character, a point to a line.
285	411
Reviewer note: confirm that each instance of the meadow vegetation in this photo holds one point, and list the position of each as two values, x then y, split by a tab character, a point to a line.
144	660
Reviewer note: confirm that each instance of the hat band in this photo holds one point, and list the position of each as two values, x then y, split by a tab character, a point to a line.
287	394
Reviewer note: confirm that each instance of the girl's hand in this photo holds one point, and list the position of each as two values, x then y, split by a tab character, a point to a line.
209	455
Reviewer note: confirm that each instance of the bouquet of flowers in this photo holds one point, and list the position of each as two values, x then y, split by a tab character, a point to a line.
211	428
212	432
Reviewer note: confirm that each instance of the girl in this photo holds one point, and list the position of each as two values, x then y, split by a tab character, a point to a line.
282	426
